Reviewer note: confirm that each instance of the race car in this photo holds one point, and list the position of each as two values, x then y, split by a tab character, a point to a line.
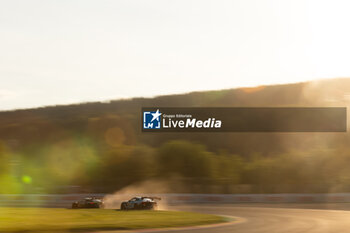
140	203
88	202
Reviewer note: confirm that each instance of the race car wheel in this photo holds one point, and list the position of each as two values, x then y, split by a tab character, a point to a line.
74	206
122	206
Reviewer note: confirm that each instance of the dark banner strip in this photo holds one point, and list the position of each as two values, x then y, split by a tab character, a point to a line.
244	119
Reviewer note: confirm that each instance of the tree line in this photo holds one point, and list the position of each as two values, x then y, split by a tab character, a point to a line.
186	167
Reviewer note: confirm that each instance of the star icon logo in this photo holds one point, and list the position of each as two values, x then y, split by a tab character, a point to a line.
155	116
151	119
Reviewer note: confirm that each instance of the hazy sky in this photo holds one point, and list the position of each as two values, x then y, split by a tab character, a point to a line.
67	51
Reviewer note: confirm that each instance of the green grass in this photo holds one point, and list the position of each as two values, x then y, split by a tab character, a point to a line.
68	220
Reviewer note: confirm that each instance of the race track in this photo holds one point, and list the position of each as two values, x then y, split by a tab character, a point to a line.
270	220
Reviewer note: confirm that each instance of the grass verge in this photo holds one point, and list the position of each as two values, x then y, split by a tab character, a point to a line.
68	220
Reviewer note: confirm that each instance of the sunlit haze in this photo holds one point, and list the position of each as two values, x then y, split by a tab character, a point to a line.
59	52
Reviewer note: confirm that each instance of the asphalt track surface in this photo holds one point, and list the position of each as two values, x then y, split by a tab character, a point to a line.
276	218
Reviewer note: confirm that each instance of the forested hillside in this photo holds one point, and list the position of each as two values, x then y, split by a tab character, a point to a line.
99	147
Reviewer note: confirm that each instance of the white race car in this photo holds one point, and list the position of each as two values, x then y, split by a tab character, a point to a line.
140	203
